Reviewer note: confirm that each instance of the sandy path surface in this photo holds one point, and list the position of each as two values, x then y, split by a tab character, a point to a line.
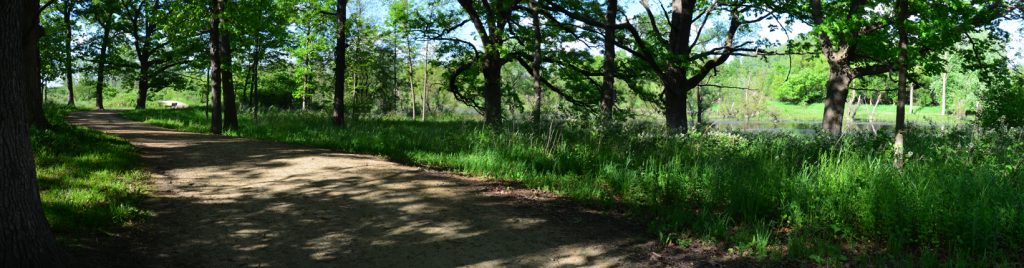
230	202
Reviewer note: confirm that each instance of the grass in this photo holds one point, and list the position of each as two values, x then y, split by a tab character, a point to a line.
886	113
813	199
89	181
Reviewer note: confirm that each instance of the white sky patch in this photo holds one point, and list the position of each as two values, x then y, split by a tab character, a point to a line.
1014	49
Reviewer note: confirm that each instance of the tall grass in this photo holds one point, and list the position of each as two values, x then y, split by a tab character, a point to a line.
815	198
89	182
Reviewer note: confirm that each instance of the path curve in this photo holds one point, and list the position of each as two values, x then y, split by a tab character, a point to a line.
231	202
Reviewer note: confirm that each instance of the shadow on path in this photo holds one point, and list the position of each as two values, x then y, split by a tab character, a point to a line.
229	202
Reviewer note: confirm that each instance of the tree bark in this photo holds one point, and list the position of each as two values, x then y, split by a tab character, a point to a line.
228	84
144	67
101	69
68	70
33	79
426	81
538	39
902	87
215	117
608	85
24	232
837	88
492	90
675	103
338	115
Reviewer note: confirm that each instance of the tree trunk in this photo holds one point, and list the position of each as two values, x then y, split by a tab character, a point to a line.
412	73
675	103
215	117
911	99
24	232
944	94
68	70
228	84
608	85
700	107
255	92
538	39
33	79
140	99
492	90
426	80
902	87
836	90
101	70
338	116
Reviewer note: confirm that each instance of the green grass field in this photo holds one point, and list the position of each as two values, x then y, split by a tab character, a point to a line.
89	182
781	196
886	113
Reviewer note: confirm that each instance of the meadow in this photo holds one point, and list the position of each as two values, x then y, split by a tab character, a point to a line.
772	196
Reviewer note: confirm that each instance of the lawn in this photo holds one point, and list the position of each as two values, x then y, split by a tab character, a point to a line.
809	198
89	182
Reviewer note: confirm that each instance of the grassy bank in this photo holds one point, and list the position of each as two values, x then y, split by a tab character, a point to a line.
89	182
960	199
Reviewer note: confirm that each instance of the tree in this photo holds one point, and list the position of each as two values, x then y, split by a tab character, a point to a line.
101	12
491	26
608	87
338	114
32	86
215	76
683	58
856	38
25	235
228	82
68	59
538	41
156	51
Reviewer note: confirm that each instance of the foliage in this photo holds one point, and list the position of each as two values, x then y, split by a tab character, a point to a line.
804	86
1004	104
959	195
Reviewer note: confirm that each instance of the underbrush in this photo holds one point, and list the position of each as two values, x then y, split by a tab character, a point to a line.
89	182
959	200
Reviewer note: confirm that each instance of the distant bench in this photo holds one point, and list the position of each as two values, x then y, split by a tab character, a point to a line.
173	104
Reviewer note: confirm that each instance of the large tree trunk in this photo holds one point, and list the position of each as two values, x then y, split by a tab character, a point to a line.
68	70
228	84
24	233
144	66
538	39
215	117
338	115
101	69
492	90
608	87
836	90
675	103
33	79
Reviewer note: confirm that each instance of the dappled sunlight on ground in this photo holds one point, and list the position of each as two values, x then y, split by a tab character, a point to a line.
228	202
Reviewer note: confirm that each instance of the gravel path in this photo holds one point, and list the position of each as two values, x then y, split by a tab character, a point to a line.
231	202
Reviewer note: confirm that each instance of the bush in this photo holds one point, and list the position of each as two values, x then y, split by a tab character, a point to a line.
1004	105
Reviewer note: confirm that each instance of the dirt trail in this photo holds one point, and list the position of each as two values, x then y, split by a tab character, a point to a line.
230	202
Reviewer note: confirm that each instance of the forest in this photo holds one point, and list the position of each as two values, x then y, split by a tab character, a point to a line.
437	133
